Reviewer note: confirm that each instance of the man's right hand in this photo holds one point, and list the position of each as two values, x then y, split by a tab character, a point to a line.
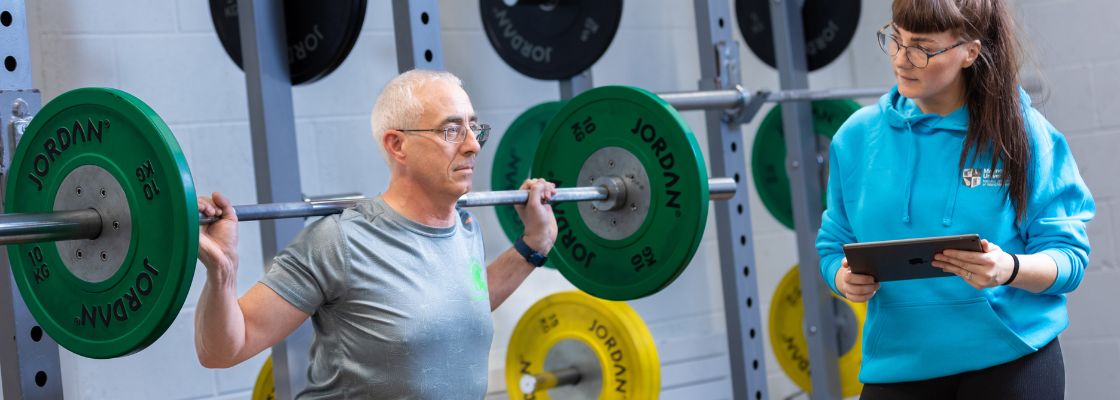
217	242
536	214
855	287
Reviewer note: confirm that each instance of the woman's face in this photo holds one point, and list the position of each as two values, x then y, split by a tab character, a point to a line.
941	78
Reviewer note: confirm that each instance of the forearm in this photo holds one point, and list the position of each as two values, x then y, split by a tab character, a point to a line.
1037	272
219	321
505	274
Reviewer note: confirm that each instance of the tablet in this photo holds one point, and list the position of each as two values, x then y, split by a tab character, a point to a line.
895	260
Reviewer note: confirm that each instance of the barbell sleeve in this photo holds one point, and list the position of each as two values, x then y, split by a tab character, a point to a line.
49	226
721	188
707	99
86	224
545	380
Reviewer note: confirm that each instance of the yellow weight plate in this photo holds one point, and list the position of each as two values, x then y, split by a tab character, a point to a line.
647	348
787	336
606	341
265	389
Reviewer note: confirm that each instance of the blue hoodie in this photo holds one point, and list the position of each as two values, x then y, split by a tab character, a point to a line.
894	175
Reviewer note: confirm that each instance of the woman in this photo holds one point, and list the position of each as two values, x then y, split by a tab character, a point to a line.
957	148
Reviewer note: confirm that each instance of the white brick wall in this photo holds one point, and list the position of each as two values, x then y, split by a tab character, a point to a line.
1078	69
166	53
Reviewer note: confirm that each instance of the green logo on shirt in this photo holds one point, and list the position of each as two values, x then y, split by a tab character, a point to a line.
479	281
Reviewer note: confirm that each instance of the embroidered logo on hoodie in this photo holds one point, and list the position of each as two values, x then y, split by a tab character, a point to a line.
974	177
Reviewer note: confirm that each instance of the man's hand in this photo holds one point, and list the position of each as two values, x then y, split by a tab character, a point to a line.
536	214
217	242
855	287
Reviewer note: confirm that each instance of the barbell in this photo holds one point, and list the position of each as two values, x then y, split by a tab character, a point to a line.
19	228
104	221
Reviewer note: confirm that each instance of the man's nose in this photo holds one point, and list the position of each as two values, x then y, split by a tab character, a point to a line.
470	143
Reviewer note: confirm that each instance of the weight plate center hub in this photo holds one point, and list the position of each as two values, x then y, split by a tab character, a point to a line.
95	260
627	183
571	353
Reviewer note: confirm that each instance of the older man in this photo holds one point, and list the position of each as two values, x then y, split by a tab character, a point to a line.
395	287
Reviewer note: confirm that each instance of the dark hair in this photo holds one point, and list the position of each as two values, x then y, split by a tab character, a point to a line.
995	116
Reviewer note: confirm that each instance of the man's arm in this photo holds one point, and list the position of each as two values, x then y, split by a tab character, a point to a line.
229	331
506	273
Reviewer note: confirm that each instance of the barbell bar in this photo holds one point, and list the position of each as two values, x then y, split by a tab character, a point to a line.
19	228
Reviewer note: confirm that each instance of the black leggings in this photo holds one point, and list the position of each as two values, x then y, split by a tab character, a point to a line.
1039	375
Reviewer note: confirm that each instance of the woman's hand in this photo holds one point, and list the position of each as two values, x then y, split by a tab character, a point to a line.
985	269
855	287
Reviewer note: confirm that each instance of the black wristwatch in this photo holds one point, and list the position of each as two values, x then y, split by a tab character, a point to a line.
532	256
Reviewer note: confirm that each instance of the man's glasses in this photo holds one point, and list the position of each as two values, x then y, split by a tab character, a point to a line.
917	56
455	133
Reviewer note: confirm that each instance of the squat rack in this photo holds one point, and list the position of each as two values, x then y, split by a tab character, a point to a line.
30	362
728	105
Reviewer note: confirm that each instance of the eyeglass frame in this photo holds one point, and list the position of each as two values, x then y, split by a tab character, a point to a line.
902	47
482	129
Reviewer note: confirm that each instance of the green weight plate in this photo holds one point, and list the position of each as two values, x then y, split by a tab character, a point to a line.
637	125
768	154
513	158
127	308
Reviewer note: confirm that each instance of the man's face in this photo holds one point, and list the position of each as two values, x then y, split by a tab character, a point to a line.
442	167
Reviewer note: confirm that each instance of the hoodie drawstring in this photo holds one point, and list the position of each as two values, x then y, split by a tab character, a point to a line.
912	161
951	202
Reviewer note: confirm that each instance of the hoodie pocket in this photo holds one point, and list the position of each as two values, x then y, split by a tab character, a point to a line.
940	338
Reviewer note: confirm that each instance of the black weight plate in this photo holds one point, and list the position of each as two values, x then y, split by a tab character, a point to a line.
551	40
829	27
320	34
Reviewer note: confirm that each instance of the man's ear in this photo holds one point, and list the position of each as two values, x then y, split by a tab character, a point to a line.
393	143
973	48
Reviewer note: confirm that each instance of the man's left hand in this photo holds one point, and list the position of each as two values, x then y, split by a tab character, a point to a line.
536	214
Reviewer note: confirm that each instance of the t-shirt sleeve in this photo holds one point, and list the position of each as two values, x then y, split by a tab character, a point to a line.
312	270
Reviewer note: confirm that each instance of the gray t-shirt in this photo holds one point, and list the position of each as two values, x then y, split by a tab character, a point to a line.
400	310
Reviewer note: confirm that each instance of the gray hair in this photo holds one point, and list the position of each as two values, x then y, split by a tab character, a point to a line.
398	107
